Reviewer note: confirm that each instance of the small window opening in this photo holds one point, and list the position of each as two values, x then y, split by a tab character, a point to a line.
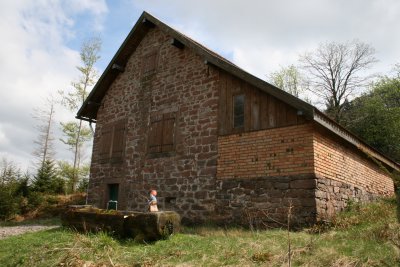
238	111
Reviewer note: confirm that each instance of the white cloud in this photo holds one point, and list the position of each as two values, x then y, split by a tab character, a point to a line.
34	62
261	35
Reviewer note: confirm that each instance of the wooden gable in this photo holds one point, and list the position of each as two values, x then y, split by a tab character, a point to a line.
261	110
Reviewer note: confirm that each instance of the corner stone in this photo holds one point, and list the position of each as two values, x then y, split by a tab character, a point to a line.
303	184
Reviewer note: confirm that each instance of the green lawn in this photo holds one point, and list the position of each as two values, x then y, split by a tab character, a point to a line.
365	236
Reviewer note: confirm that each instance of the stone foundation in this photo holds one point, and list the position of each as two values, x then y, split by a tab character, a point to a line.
333	196
265	201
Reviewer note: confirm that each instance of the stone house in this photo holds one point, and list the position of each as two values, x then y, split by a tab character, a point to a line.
217	143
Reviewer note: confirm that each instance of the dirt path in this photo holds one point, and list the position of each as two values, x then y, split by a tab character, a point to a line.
18	230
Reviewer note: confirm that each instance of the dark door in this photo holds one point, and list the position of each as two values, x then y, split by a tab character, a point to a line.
112	196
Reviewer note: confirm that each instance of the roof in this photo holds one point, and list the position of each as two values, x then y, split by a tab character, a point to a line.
89	108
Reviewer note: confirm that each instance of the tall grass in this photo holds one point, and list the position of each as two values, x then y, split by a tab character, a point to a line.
365	235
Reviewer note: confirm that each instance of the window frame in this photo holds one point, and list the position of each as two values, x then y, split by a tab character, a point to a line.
234	96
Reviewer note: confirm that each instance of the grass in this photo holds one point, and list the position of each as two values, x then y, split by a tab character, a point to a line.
363	236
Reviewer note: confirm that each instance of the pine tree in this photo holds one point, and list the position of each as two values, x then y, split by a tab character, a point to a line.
47	181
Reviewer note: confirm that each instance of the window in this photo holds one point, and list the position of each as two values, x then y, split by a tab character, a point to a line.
238	111
161	133
149	63
112	142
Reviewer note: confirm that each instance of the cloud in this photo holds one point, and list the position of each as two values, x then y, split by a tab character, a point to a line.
34	62
261	35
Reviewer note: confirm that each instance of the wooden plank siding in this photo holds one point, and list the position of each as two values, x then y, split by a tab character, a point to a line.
261	111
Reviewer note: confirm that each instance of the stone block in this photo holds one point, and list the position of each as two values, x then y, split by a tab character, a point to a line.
303	184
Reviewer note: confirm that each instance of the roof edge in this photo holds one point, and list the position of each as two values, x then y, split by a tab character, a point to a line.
345	134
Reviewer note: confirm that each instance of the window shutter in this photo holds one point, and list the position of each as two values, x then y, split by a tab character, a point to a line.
118	141
155	134
149	63
168	133
105	142
162	133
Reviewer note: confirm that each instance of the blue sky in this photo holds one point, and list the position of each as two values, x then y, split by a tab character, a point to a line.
41	41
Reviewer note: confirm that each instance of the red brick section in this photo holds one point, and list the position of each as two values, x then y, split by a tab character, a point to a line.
273	152
341	163
180	84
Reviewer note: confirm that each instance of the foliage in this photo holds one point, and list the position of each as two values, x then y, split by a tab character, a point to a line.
375	116
70	131
89	55
76	133
363	236
66	171
335	72
288	79
47	181
12	189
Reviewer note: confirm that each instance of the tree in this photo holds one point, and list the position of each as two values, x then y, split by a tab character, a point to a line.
375	117
75	132
335	72
288	79
44	142
9	172
12	189
47	181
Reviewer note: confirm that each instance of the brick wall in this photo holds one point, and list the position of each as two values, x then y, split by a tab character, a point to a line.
261	174
181	84
273	152
339	162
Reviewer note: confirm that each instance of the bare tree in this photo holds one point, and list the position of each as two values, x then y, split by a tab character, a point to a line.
74	99
335	72
44	143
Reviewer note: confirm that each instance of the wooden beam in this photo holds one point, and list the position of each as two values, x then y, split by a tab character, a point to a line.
148	23
118	67
175	42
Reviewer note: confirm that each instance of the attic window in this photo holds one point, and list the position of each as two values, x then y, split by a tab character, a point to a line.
162	133
149	63
238	111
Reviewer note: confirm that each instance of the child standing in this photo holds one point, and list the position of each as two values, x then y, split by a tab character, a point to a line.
153	201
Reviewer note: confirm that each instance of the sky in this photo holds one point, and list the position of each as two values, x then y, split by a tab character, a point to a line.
41	40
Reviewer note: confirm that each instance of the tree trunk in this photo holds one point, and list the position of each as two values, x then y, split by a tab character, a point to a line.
76	161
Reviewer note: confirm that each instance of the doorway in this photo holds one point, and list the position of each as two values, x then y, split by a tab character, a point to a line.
112	202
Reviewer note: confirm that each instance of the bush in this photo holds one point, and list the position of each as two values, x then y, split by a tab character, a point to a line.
9	201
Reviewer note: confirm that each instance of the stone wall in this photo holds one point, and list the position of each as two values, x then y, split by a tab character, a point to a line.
265	201
333	196
181	84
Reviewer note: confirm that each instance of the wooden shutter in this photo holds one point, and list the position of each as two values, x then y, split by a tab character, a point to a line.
149	63
155	134
168	132
105	143
118	143
161	133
